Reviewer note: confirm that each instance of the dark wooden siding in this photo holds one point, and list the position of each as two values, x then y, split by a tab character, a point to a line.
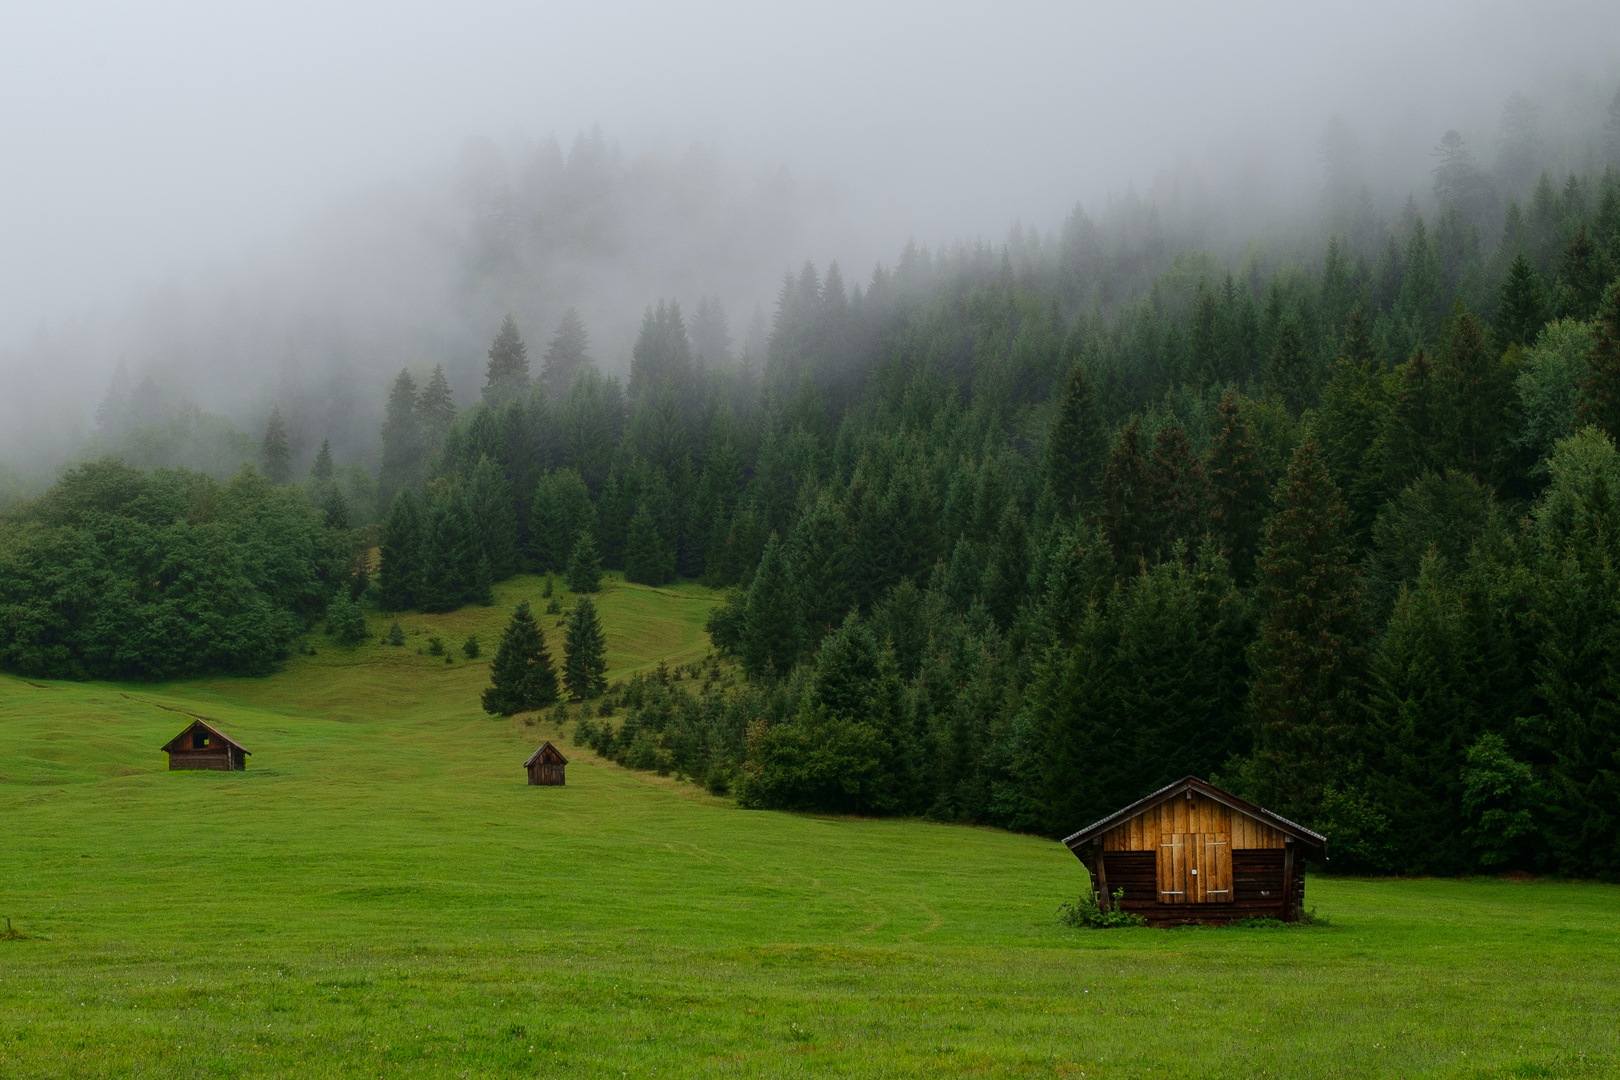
1257	885
221	758
542	774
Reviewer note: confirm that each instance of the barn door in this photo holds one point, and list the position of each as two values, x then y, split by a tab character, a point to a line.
1173	867
1211	868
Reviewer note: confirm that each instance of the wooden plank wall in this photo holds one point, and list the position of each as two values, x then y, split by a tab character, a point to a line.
1180	815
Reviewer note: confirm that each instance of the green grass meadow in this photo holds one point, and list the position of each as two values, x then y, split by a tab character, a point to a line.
381	895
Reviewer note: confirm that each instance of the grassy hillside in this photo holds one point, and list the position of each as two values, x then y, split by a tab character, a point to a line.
381	895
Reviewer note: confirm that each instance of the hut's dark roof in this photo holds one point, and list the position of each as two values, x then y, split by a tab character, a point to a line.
1203	787
199	722
534	757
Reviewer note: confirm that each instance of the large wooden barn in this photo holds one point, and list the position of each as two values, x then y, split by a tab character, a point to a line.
203	746
1192	853
546	767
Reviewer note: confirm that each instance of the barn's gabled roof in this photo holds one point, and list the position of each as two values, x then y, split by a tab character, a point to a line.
1202	787
534	757
171	746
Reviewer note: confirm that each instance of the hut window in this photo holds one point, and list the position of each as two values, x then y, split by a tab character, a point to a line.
199	740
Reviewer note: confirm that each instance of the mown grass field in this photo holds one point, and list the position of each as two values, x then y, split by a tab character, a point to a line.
381	895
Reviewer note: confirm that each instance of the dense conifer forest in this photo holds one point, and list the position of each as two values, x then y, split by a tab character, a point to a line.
1011	534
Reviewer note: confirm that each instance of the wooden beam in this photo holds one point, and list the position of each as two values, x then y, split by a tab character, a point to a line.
1288	913
1102	875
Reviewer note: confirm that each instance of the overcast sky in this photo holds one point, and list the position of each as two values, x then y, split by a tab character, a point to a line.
143	140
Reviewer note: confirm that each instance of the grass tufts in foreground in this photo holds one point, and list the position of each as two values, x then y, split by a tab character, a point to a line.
381	895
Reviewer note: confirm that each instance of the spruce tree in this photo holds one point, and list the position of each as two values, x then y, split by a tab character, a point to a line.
334	507
449	556
1355	409
1123	501
1177	491
400	574
1292	374
584	570
645	559
1476	392
488	497
506	376
1307	661
521	676
1239	489
772	623
1414	438
1521	308
401	441
560	511
275	451
584	652
345	621
566	355
324	469
435	411
1582	277
1600	390
1076	445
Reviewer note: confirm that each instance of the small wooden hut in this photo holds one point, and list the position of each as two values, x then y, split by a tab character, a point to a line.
203	746
546	767
1192	853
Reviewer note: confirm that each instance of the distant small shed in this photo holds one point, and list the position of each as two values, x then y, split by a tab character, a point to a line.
1192	853
203	746
546	767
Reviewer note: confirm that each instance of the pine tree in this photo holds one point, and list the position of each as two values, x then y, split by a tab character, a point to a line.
400	574
1123	501
1521	309
772	624
323	470
1292	374
1412	441
646	560
522	677
401	441
1238	488
584	652
334	507
506	377
435	411
1177	491
584	570
1307	662
1475	399
488	497
449	556
1355	409
560	511
275	451
1076	445
1582	277
1600	391
566	355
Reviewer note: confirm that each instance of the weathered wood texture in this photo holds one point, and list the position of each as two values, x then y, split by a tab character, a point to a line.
202	746
1192	858
546	767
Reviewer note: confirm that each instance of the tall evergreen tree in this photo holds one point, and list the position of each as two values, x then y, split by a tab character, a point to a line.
1521	308
1307	662
323	470
1239	490
647	560
436	411
566	355
1076	445
1413	439
1124	509
506	376
1600	390
402	445
1355	409
584	569
560	511
1177	491
1291	374
400	574
449	555
772	623
490	508
1583	275
275	451
1476	392
584	652
522	677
